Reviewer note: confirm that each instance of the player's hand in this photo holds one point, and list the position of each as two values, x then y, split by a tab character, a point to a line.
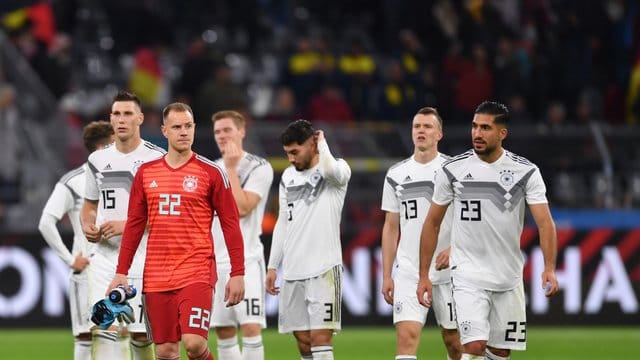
79	263
118	280
442	259
424	292
92	232
319	136
270	282
387	289
112	228
234	290
231	155
549	283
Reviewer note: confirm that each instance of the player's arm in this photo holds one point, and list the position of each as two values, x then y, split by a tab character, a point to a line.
277	243
428	243
390	234
134	228
225	206
60	202
88	214
548	245
256	187
336	172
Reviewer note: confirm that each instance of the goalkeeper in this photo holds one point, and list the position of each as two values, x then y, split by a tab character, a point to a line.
176	195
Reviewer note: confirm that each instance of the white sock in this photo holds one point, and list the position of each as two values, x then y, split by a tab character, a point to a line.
143	350
406	357
306	357
228	349
252	348
324	352
472	357
81	349
492	356
107	345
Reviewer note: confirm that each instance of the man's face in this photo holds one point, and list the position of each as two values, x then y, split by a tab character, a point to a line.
126	119
225	131
300	155
425	131
179	129
486	135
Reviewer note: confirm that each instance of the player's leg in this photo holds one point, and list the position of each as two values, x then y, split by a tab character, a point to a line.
472	307
80	314
141	345
250	312
442	306
324	297
224	322
508	323
194	303
111	343
164	327
408	317
293	316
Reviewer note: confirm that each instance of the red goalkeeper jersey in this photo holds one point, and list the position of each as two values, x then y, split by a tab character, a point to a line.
178	204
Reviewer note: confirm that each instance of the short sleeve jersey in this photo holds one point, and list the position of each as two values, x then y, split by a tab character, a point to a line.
109	182
488	201
256	176
407	190
178	205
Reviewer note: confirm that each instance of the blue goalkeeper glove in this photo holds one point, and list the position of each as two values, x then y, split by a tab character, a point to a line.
105	312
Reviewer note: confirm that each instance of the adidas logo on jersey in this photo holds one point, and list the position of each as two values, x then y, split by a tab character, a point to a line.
408	178
153	185
108	167
468	177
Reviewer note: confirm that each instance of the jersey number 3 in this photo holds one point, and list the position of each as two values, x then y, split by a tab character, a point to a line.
169	204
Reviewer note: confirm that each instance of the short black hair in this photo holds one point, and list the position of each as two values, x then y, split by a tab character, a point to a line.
297	132
124	95
499	110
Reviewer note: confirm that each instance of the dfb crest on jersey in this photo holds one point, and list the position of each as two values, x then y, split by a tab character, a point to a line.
315	178
190	183
506	177
136	166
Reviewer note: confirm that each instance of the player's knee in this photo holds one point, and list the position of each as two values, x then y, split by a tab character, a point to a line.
251	330
475	348
194	345
321	337
225	332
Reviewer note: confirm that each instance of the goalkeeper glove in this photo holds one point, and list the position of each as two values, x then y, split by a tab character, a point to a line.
105	312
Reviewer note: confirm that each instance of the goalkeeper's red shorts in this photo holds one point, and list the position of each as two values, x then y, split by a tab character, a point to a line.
182	311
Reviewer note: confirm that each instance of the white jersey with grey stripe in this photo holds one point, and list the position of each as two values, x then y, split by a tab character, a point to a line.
407	191
66	198
306	239
109	182
488	215
256	176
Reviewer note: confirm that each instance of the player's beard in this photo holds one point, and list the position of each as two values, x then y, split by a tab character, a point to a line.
488	149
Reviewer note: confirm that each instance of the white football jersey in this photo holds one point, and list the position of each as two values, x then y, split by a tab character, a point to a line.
488	215
306	238
109	182
407	190
256	175
67	198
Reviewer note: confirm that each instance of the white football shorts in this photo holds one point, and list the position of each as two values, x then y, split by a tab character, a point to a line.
248	311
442	306
311	304
498	317
101	273
405	302
79	303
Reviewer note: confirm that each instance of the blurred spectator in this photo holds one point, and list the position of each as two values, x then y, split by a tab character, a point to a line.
311	64
198	64
150	129
472	80
10	139
218	93
511	69
329	106
556	117
357	73
411	55
397	99
284	106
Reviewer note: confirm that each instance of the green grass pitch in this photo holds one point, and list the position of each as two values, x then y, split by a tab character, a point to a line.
548	343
